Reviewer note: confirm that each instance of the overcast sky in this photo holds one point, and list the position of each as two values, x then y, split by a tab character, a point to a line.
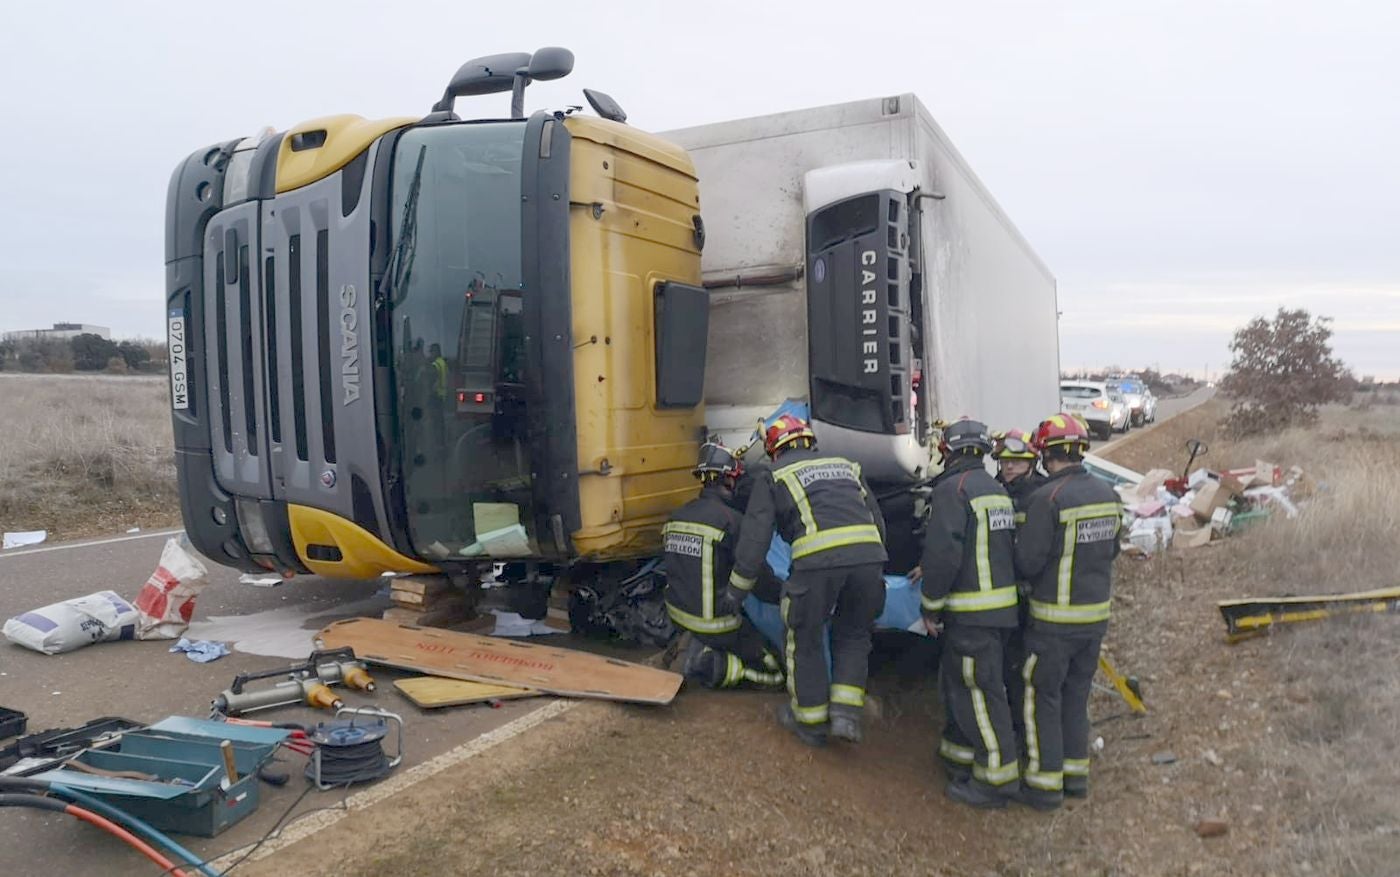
1181	166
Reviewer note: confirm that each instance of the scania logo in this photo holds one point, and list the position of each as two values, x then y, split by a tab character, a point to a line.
349	346
869	346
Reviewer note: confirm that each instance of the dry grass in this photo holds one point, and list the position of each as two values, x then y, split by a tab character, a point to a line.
1318	753
85	455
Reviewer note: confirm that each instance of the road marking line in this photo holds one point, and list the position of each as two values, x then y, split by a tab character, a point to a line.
317	822
94	542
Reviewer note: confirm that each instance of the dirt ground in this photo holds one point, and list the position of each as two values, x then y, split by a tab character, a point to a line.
1273	738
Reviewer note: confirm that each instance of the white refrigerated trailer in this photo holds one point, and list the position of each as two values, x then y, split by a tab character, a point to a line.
856	262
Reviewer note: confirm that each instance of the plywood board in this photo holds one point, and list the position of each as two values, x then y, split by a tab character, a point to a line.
423	586
431	692
546	668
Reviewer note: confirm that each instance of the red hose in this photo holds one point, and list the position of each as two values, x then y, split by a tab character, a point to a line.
117	831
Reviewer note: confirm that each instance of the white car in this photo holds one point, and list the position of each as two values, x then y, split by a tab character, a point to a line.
1096	403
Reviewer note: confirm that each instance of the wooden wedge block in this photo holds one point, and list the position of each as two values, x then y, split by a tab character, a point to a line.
423	586
547	668
432	692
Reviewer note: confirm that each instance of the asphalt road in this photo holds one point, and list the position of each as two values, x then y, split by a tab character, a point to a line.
1167	408
143	682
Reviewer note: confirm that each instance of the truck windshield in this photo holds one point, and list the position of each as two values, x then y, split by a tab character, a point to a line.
454	288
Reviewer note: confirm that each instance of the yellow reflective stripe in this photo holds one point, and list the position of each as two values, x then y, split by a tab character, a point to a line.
978	601
850	695
733	670
855	467
696	624
707	579
932	605
1046	781
743	583
999	776
770	661
1093	510
804	506
981	506
705	531
979	709
758	677
1020	518
836	537
810	715
1028	716
1076	767
1070	517
1080	613
955	753
1065	580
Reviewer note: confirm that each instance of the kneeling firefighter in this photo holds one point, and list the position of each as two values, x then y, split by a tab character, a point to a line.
969	582
823	508
699	543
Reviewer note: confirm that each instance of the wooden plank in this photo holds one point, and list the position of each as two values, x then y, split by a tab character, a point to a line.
423	586
546	668
431	692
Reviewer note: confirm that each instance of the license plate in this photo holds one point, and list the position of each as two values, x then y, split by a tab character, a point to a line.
175	343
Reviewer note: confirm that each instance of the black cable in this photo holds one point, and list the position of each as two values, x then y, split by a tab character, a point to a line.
342	765
272	832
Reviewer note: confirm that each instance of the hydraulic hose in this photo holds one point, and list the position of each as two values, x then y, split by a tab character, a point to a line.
121	817
52	805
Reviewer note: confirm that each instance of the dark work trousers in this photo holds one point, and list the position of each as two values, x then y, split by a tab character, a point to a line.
970	679
1059	674
852	597
1011	674
745	655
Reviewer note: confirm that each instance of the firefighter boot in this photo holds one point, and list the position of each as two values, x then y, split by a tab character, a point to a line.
1038	799
975	794
705	666
1076	787
812	735
845	724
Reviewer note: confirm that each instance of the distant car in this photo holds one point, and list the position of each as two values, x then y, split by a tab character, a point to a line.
1140	399
1093	401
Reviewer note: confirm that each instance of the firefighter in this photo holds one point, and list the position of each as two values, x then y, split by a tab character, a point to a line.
1016	468
969	588
1065	550
826	512
699	543
1017	471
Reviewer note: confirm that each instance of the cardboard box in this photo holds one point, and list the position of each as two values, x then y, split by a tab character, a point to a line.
1215	495
1192	538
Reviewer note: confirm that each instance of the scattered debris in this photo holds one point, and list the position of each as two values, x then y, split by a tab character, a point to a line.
1212	828
166	601
43	747
550	669
71	624
260	581
516	625
133	530
24	537
1203	505
200	651
12	723
427	601
1212	758
1164	757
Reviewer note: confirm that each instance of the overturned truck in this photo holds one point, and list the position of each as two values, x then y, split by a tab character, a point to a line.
435	344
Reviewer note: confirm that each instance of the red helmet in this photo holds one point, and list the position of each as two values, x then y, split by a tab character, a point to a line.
785	430
1061	429
1013	444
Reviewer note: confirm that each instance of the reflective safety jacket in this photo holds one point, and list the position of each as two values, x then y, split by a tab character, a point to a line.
1066	549
1020	491
820	505
699	543
967	562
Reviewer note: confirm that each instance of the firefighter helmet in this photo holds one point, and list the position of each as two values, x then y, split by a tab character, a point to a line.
1013	444
716	461
965	434
784	430
1062	429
